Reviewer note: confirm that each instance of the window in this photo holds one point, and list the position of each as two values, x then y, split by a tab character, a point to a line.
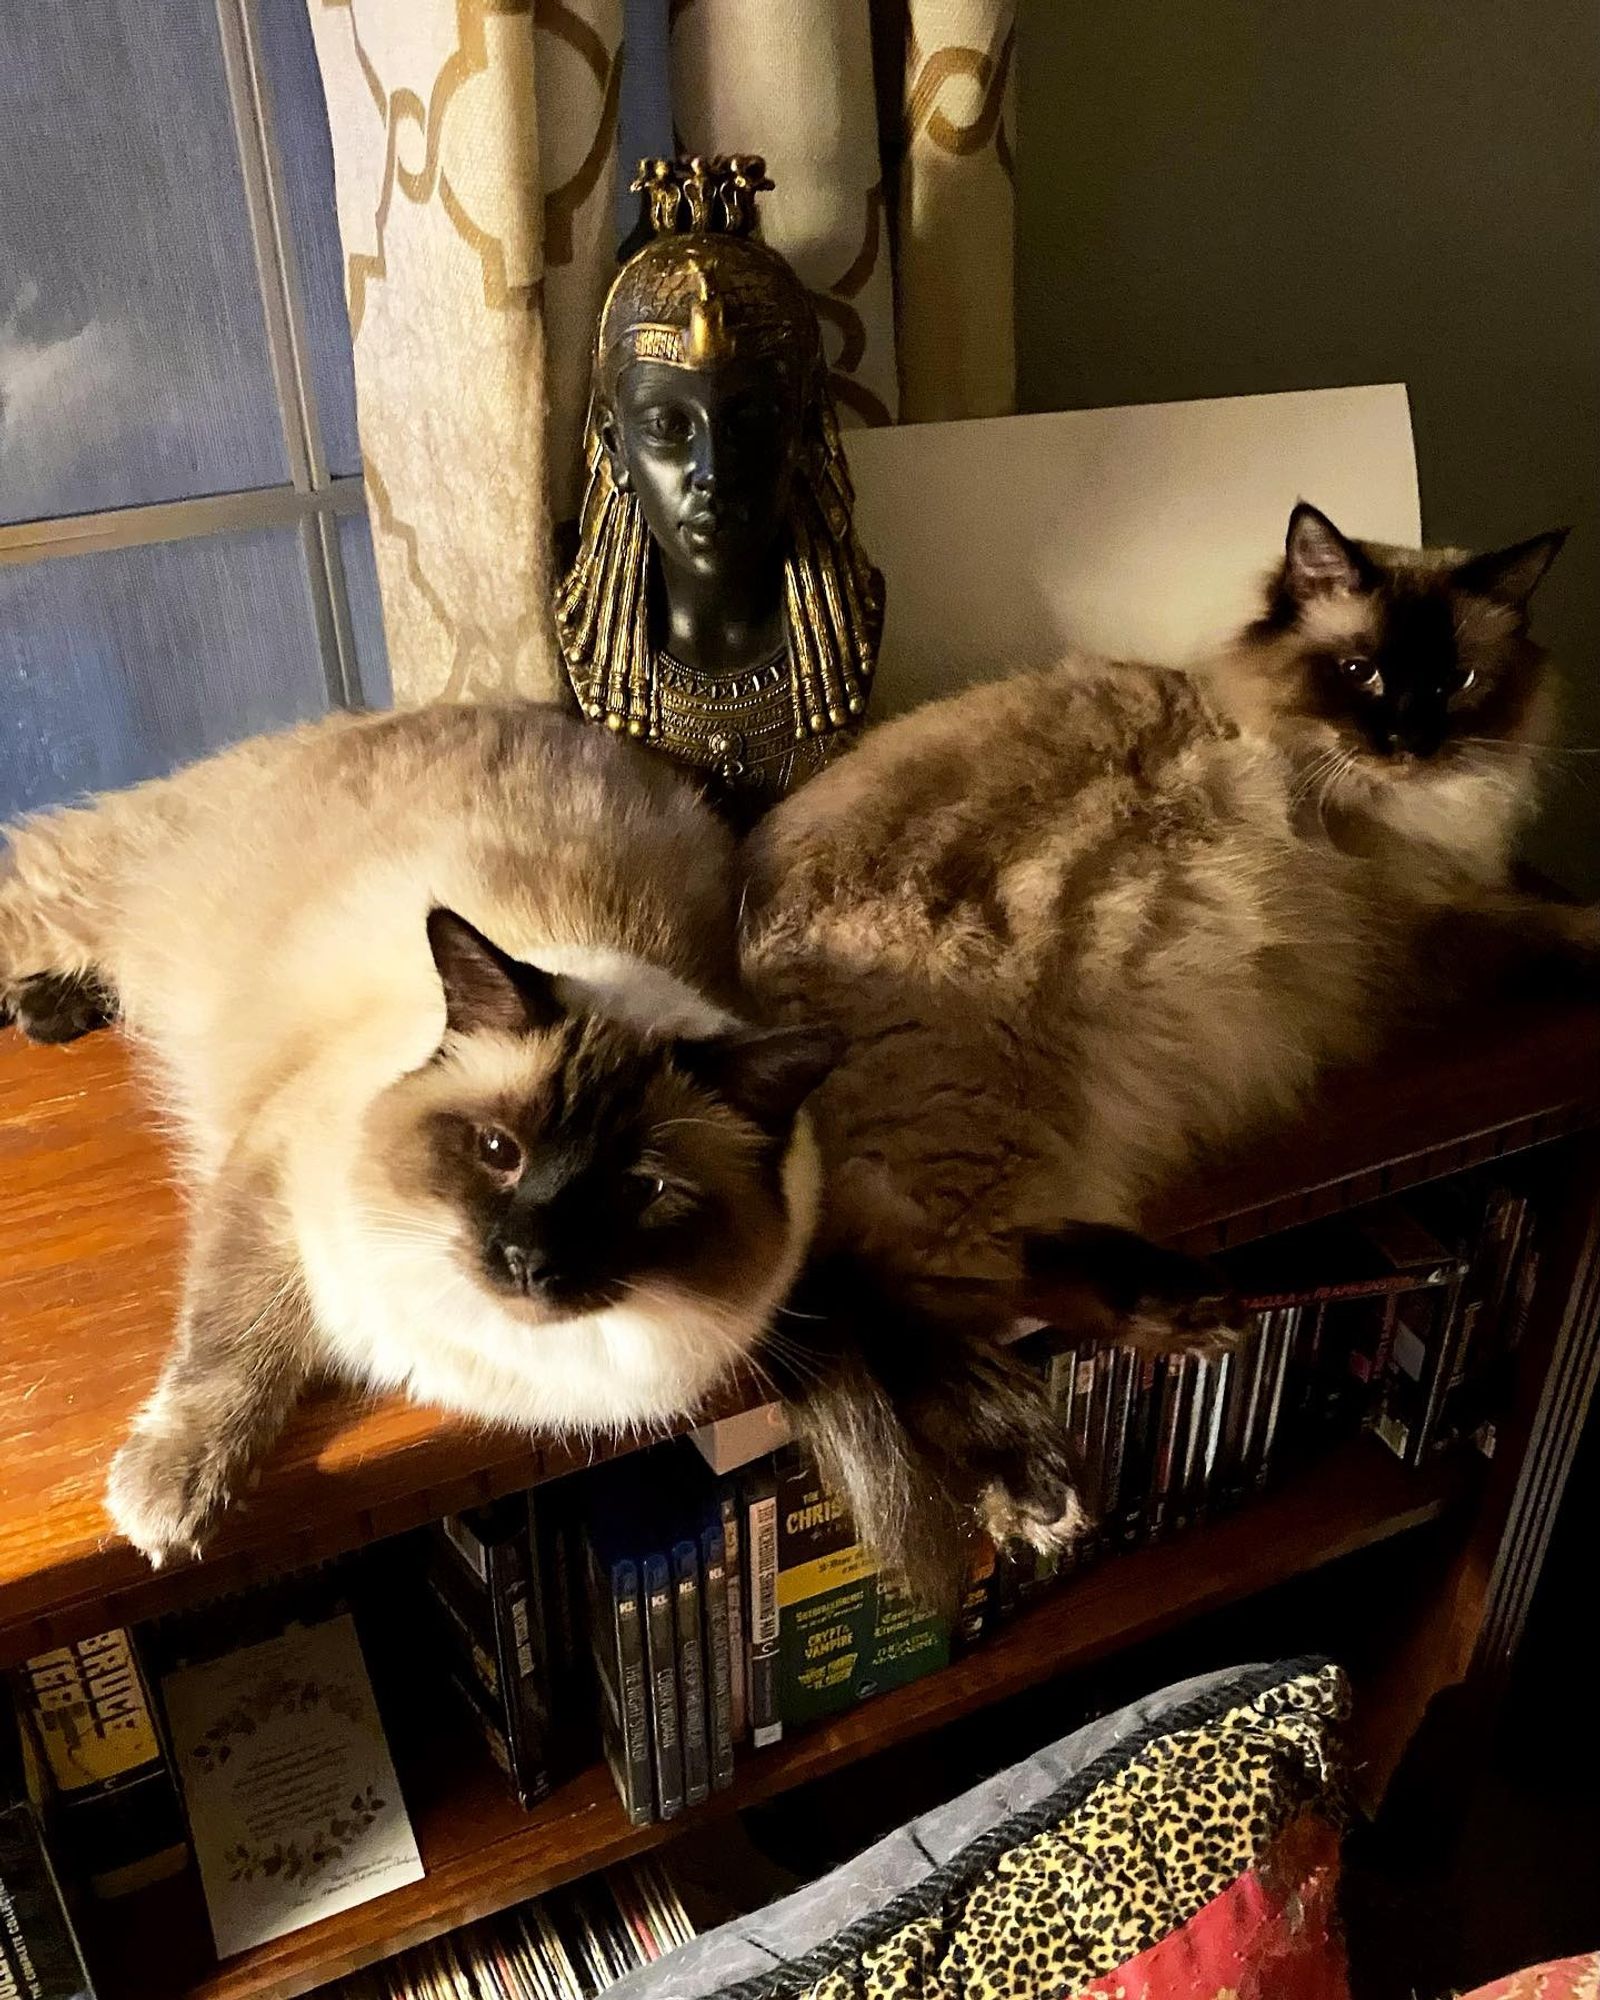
184	553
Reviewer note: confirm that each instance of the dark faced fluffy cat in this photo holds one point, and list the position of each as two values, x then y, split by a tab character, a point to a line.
1078	924
444	1006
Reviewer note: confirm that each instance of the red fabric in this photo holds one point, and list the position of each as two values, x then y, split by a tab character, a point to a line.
1272	1935
1563	1979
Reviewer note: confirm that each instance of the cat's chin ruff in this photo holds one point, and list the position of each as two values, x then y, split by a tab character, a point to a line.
1466	810
415	1320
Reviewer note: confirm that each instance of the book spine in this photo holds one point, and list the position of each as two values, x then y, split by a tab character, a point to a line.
761	1522
733	1562
524	1668
39	1954
479	1575
692	1709
718	1654
116	1807
661	1649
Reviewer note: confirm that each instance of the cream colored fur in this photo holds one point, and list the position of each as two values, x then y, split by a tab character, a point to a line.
261	920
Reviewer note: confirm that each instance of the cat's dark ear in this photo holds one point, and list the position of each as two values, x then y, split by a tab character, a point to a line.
1318	561
483	987
767	1073
1511	576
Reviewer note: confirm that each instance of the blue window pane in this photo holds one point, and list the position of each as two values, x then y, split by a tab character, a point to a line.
133	357
366	611
121	665
300	127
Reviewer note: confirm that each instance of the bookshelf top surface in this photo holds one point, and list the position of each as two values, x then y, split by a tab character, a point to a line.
91	1232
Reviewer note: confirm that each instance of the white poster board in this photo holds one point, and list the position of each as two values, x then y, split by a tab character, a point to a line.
1141	532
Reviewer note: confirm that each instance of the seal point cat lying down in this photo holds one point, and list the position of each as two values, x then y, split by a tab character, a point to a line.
445	1011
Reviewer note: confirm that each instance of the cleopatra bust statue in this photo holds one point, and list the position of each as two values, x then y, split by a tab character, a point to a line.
719	606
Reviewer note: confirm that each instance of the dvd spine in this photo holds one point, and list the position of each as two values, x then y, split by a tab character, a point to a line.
1209	1495
718	1655
1285	1331
1124	1382
1138	1457
661	1648
617	1617
1169	1433
1186	1483
691	1674
733	1564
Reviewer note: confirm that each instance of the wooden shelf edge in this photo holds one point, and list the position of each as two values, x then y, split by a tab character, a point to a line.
1353	1499
456	1467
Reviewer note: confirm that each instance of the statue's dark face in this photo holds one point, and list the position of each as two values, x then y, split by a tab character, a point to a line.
711	454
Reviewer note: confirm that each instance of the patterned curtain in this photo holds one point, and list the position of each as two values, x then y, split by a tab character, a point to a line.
793	80
957	341
475	143
475	164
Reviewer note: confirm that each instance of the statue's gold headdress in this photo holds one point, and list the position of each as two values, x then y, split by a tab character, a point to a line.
704	291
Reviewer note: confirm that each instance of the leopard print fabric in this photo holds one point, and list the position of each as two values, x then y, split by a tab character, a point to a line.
1082	1885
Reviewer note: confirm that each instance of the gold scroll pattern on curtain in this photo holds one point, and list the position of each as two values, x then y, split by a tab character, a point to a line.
474	151
956	211
793	80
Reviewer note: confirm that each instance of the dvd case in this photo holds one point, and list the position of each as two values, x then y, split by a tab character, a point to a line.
661	1650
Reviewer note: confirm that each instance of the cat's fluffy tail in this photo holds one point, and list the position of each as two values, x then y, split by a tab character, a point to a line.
922	1421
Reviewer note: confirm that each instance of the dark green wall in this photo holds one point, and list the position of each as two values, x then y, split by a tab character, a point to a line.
1220	196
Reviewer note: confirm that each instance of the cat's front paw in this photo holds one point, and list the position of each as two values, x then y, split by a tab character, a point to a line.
1120	1286
1208	1321
166	1491
57	1007
1049	1521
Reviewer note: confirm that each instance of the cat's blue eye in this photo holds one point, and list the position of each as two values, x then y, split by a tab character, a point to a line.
498	1149
1468	677
1360	671
659	1198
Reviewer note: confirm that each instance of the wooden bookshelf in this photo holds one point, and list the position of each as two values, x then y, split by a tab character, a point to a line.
92	1247
482	1852
89	1260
